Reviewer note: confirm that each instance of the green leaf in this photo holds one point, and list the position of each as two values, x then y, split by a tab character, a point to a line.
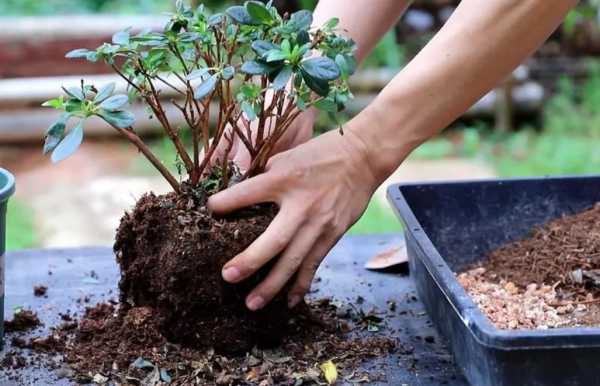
215	19
55	133
76	92
282	78
256	67
332	23
93	56
247	109
322	68
303	37
57	103
250	90
197	74
301	104
114	102
259	13
69	144
228	72
131	95
343	65
262	47
240	14
302	19
276	56
121	38
120	119
326	104
105	92
319	86
206	87
73	105
79	53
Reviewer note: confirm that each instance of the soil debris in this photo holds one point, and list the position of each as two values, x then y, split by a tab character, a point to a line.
40	290
23	320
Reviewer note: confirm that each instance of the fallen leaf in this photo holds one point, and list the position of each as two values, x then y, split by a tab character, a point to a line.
274	356
141	363
165	376
389	258
99	379
152	379
330	372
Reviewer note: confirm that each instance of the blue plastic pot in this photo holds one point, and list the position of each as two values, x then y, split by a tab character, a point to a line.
7	189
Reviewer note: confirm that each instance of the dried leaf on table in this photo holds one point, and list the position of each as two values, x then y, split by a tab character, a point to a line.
389	258
330	372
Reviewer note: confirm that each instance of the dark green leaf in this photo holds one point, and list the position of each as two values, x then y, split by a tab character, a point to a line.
319	86
298	81
326	104
73	105
247	109
105	92
321	68
121	38
120	119
240	14
79	53
228	72
262	47
69	144
258	12
283	77
76	93
114	102
198	74
303	37
55	133
302	19
276	56
206	87
256	67
343	65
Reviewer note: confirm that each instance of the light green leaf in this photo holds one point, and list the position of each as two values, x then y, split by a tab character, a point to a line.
325	104
55	133
332	23
121	38
120	119
206	87
228	72
198	73
69	144
282	78
276	56
343	66
78	53
114	102
105	92
57	103
248	110
76	93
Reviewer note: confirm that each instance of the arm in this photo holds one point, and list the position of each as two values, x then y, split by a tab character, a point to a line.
475	50
366	21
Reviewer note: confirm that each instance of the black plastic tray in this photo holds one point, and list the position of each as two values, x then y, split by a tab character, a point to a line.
451	224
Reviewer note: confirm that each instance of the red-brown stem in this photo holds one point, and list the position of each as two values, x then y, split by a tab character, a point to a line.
126	79
170	85
261	119
225	172
218	135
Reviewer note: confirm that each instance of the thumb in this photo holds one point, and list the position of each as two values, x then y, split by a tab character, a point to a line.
252	191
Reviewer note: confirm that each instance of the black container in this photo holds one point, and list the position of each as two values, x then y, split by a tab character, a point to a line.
451	224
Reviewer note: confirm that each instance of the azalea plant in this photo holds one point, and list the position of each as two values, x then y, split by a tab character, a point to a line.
259	68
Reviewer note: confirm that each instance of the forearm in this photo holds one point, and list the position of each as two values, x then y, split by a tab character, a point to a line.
475	50
366	21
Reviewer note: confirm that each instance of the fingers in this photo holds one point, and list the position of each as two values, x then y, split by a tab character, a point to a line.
286	266
252	191
307	270
277	236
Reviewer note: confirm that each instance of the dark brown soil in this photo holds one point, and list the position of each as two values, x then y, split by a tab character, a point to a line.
40	290
564	253
171	257
22	321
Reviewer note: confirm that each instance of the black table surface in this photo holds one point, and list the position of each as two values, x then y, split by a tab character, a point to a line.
70	275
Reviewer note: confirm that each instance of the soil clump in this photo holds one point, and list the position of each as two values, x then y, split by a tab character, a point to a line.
22	321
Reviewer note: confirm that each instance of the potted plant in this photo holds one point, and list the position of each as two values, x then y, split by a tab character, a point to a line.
256	66
7	189
521	249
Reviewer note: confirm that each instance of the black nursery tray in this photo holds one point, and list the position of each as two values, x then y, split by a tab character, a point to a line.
451	224
420	360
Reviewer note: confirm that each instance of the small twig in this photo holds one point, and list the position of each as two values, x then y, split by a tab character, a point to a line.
575	303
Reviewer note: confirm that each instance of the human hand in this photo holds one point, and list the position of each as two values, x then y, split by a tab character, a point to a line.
322	187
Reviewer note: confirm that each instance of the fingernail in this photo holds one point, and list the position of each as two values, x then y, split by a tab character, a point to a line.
255	303
293	302
232	274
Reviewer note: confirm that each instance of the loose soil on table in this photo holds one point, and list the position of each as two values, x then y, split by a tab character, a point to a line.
549	279
22	321
178	320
